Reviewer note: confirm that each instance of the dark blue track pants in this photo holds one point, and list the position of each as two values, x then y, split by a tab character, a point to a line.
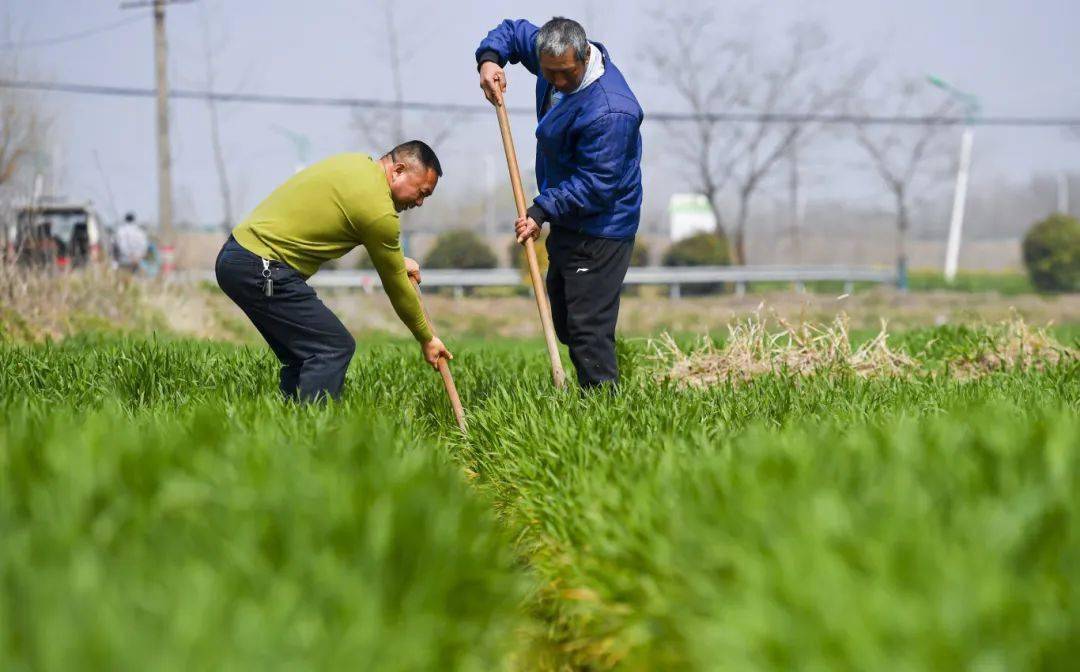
311	343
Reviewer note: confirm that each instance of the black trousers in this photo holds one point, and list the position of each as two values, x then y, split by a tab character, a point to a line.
311	343
584	281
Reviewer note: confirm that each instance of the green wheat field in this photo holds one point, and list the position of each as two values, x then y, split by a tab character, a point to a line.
799	500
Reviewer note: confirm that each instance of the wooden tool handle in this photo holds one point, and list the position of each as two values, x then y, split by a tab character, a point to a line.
452	393
558	376
444	367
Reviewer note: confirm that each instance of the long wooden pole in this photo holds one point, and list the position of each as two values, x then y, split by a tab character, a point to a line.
558	376
444	369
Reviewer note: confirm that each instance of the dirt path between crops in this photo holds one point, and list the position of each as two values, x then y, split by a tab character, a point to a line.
58	306
207	314
516	317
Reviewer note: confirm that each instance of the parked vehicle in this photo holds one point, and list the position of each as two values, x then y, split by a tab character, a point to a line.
56	235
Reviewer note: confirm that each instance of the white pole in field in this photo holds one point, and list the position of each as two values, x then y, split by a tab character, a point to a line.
971	109
952	250
1062	193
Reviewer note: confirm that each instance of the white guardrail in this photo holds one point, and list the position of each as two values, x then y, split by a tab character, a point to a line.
673	276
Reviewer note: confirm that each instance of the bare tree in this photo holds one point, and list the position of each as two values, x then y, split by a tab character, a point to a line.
902	154
382	128
712	72
23	128
19	131
24	147
386	128
210	49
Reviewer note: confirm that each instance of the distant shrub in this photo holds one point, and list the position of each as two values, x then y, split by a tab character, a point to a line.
1052	254
460	248
640	255
703	249
515	252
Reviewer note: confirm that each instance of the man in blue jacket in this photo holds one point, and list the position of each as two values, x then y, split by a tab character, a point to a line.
588	170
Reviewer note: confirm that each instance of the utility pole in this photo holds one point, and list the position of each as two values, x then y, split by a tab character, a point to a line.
164	151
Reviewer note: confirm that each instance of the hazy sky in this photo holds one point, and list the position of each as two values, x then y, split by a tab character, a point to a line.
1019	57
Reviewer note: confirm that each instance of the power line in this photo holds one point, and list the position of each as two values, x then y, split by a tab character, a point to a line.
485	109
255	98
71	37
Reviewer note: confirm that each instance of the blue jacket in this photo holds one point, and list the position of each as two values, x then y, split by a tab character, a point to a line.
588	147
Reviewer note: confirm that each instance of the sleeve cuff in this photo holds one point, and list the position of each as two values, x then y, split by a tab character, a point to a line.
489	55
537	213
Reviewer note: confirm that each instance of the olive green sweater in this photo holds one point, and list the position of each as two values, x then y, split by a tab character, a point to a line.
326	210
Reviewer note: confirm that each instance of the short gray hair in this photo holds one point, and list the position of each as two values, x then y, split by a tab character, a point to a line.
560	34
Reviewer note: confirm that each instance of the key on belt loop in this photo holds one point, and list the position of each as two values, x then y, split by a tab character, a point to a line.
268	282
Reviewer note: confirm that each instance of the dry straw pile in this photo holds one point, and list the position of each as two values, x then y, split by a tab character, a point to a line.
762	345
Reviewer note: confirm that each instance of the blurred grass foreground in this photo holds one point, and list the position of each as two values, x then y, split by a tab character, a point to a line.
161	509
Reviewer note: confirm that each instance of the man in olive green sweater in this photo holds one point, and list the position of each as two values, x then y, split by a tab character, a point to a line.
317	215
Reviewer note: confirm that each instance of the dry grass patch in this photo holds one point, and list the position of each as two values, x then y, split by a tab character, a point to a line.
765	344
756	347
36	304
1013	345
